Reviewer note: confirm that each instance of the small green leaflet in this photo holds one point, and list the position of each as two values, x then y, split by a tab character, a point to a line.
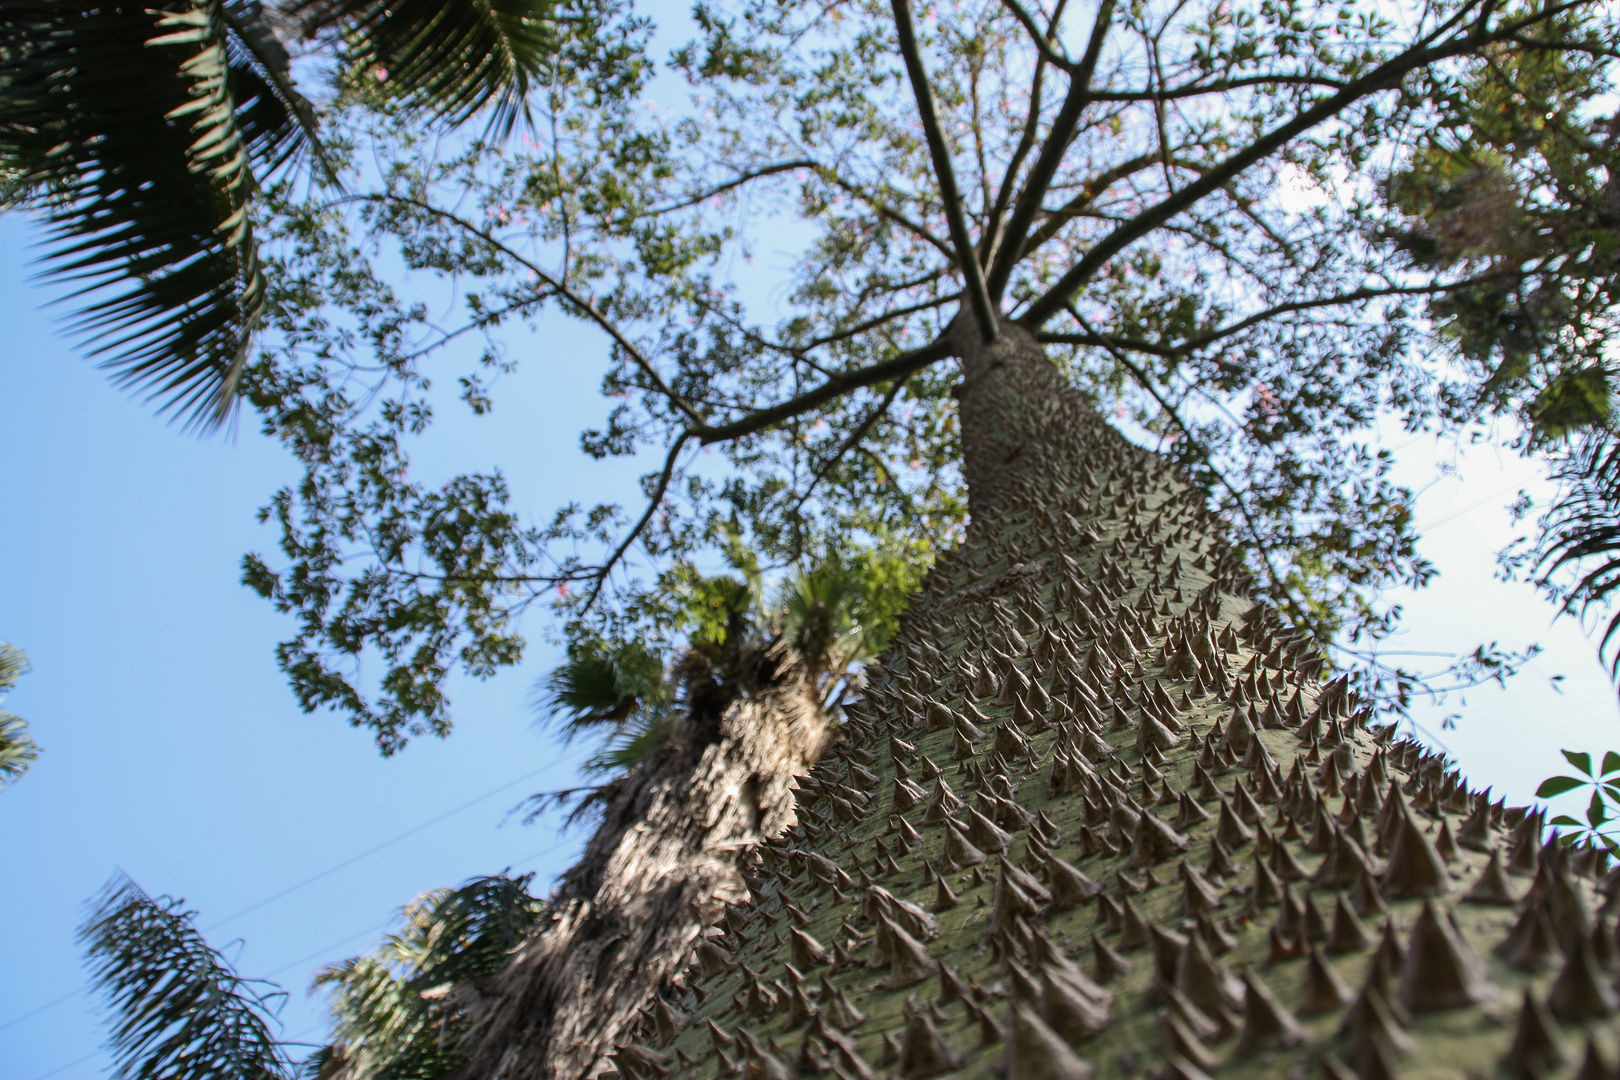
1558	785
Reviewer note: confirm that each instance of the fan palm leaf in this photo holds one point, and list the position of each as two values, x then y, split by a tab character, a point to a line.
451	59
139	135
143	131
388	1007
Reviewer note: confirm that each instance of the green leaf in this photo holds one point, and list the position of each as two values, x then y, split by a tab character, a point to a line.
1582	761
17	747
1597	813
1611	763
1558	785
1565	819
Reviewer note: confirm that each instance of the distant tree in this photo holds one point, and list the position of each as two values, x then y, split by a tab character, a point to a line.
17	747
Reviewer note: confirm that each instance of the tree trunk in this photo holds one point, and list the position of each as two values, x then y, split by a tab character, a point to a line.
1097	814
1089	789
665	860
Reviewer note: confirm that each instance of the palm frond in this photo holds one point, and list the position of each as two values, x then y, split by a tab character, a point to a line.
389	1023
630	744
1581	533
602	682
141	136
180	1011
450	58
17	747
819	606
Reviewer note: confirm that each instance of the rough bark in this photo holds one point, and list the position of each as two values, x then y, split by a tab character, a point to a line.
1165	847
664	861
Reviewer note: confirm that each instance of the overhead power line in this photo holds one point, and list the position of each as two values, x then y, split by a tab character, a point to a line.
407	834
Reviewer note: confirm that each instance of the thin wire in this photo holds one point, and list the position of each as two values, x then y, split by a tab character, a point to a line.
70	995
69	1065
407	834
1470	508
389	921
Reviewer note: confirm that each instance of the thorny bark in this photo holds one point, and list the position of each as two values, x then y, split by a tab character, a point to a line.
668	855
665	860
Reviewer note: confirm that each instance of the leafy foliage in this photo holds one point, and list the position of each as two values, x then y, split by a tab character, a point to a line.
17	747
1601	810
1577	556
834	615
453	61
392	1010
180	1011
1254	233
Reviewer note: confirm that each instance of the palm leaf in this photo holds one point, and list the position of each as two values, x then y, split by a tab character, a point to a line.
389	1023
17	747
1581	532
603	682
138	134
180	1011
449	58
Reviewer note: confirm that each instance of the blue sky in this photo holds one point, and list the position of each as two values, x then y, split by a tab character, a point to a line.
175	752
173	749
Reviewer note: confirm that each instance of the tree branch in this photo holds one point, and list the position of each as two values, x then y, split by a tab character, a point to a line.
1088	194
584	304
1043	42
653	504
1192	345
734	183
898	367
1385	76
848	444
1051	155
1219	86
991	239
874	322
966	257
883	209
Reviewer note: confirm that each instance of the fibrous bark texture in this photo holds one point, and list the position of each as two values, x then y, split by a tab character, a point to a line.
665	860
1099	815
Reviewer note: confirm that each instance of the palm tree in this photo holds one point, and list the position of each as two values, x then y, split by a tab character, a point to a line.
17	747
140	135
181	1011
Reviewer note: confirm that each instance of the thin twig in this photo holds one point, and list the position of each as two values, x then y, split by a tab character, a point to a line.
653	504
584	304
1384	77
906	363
849	443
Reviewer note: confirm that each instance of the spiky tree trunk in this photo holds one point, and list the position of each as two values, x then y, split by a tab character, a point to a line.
1096	815
666	858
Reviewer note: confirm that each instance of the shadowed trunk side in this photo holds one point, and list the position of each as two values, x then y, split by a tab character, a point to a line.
660	868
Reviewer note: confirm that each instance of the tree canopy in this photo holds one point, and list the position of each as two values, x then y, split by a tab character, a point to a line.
1253	233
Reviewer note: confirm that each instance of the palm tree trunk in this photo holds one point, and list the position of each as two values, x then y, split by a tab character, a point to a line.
665	860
